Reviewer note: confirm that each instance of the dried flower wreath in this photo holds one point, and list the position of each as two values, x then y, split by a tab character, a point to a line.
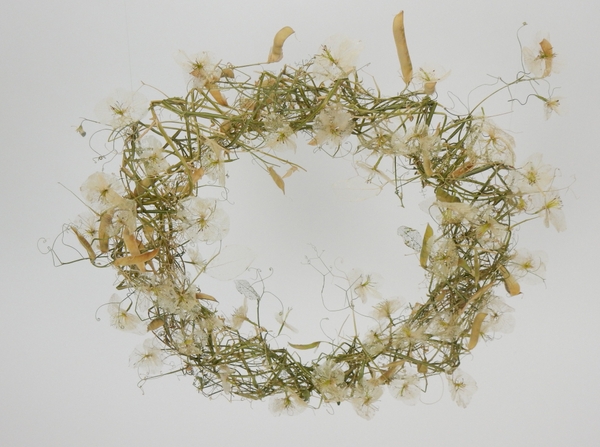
151	220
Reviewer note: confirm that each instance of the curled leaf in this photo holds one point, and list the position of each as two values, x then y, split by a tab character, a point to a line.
276	53
312	345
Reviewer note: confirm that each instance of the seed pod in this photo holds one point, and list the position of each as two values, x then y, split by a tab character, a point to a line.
83	241
105	222
205	296
510	283
402	48
216	93
305	347
155	324
426	246
276	53
276	178
476	330
130	260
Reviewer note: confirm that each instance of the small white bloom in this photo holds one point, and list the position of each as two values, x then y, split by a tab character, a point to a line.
121	318
462	387
239	316
500	317
364	397
153	156
552	105
329	379
102	189
122	108
528	266
405	386
494	145
280	135
337	60
420	140
204	220
333	125
201	67
540	59
550	207
364	285
443	258
147	358
291	404
428	76
385	309
534	176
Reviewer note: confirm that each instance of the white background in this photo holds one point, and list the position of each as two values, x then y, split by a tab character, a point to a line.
64	378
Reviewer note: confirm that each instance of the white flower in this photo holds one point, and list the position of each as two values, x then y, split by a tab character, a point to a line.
420	140
87	225
203	219
364	285
443	258
428	76
364	397
333	125
281	318
528	267
337	60
455	212
214	164
121	318
405	386
329	379
239	316
385	309
462	387
494	145
153	156
291	404
122	108
102	189
280	135
200	67
147	358
550	207
541	59
499	317
552	105
489	232
533	176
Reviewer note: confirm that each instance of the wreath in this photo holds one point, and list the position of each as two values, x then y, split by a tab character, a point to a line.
152	221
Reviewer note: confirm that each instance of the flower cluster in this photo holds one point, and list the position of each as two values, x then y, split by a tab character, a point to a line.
160	225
